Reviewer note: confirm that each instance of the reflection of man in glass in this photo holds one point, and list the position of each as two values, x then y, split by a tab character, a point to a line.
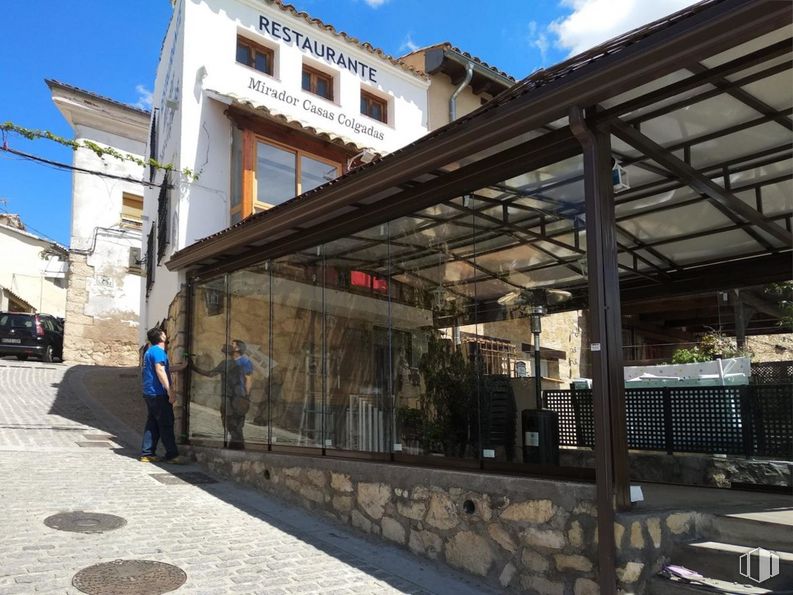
236	372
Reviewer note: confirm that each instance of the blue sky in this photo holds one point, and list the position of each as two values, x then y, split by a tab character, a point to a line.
111	47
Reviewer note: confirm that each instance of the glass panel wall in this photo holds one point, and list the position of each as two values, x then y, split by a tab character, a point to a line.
247	357
436	380
297	383
412	337
207	392
360	359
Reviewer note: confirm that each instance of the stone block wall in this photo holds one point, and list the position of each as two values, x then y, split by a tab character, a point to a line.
176	331
693	469
520	534
107	341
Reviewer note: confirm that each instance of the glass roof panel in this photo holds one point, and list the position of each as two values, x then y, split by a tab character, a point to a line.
513	258
738	144
701	216
724	245
769	171
776	198
704	117
776	91
750	46
551	276
654	85
662	199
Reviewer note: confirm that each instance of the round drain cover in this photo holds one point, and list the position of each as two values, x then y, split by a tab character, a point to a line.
129	577
84	522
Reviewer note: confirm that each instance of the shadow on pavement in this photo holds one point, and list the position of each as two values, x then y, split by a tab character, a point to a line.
108	400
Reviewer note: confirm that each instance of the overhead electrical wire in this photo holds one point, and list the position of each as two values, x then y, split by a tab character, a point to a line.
66	166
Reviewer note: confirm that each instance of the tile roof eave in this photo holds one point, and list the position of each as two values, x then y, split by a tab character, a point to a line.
366	46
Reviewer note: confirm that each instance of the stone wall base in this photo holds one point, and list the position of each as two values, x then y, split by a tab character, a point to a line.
694	469
520	534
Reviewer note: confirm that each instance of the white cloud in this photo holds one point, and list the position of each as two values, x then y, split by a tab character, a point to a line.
595	21
538	38
144	97
408	45
375	3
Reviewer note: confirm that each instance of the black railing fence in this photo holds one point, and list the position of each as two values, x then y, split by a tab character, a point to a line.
754	420
772	372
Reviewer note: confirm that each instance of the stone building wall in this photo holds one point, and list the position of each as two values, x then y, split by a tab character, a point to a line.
771	348
520	534
110	340
176	331
565	331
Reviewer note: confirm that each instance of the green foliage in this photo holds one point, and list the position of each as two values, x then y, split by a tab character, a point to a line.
689	356
712	345
99	150
449	405
782	294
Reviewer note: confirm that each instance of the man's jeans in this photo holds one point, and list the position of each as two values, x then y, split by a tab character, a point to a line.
159	425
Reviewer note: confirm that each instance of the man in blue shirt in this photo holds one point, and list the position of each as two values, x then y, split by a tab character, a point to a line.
159	398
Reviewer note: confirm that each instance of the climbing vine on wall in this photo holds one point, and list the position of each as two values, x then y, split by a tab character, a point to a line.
99	150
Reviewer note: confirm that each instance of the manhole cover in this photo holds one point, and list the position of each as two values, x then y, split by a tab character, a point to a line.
84	522
191	477
121	577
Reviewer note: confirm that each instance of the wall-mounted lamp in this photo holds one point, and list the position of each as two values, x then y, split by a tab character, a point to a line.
619	177
365	156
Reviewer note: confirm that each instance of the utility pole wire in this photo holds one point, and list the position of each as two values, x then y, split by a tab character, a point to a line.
80	169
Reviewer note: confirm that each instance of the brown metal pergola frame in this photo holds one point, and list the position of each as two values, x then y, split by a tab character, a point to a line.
417	177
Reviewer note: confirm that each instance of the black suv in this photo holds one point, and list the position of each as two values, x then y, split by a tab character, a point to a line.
23	334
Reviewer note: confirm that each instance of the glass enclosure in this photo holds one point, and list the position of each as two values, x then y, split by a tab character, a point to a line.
393	341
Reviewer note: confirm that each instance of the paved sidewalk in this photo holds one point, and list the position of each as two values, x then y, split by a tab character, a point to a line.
56	455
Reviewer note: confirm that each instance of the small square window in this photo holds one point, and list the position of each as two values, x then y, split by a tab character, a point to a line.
132	210
318	83
255	55
374	107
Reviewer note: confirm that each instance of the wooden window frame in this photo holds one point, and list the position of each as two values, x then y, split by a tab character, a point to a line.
260	205
254	47
370	98
125	218
251	128
314	75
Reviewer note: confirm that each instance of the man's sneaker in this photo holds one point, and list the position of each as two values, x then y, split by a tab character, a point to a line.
177	460
149	459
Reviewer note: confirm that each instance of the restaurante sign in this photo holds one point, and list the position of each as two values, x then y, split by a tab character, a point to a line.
316	48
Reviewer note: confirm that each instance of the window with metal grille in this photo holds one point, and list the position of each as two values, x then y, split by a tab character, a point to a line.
254	55
149	261
163	212
153	144
374	107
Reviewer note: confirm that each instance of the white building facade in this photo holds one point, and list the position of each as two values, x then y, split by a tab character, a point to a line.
260	103
103	299
35	278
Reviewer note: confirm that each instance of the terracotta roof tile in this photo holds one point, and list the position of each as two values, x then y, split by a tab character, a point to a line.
346	37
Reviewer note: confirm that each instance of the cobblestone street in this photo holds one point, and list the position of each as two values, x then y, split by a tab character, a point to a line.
60	451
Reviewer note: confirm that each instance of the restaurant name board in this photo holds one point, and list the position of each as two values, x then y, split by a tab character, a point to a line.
307	105
316	48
